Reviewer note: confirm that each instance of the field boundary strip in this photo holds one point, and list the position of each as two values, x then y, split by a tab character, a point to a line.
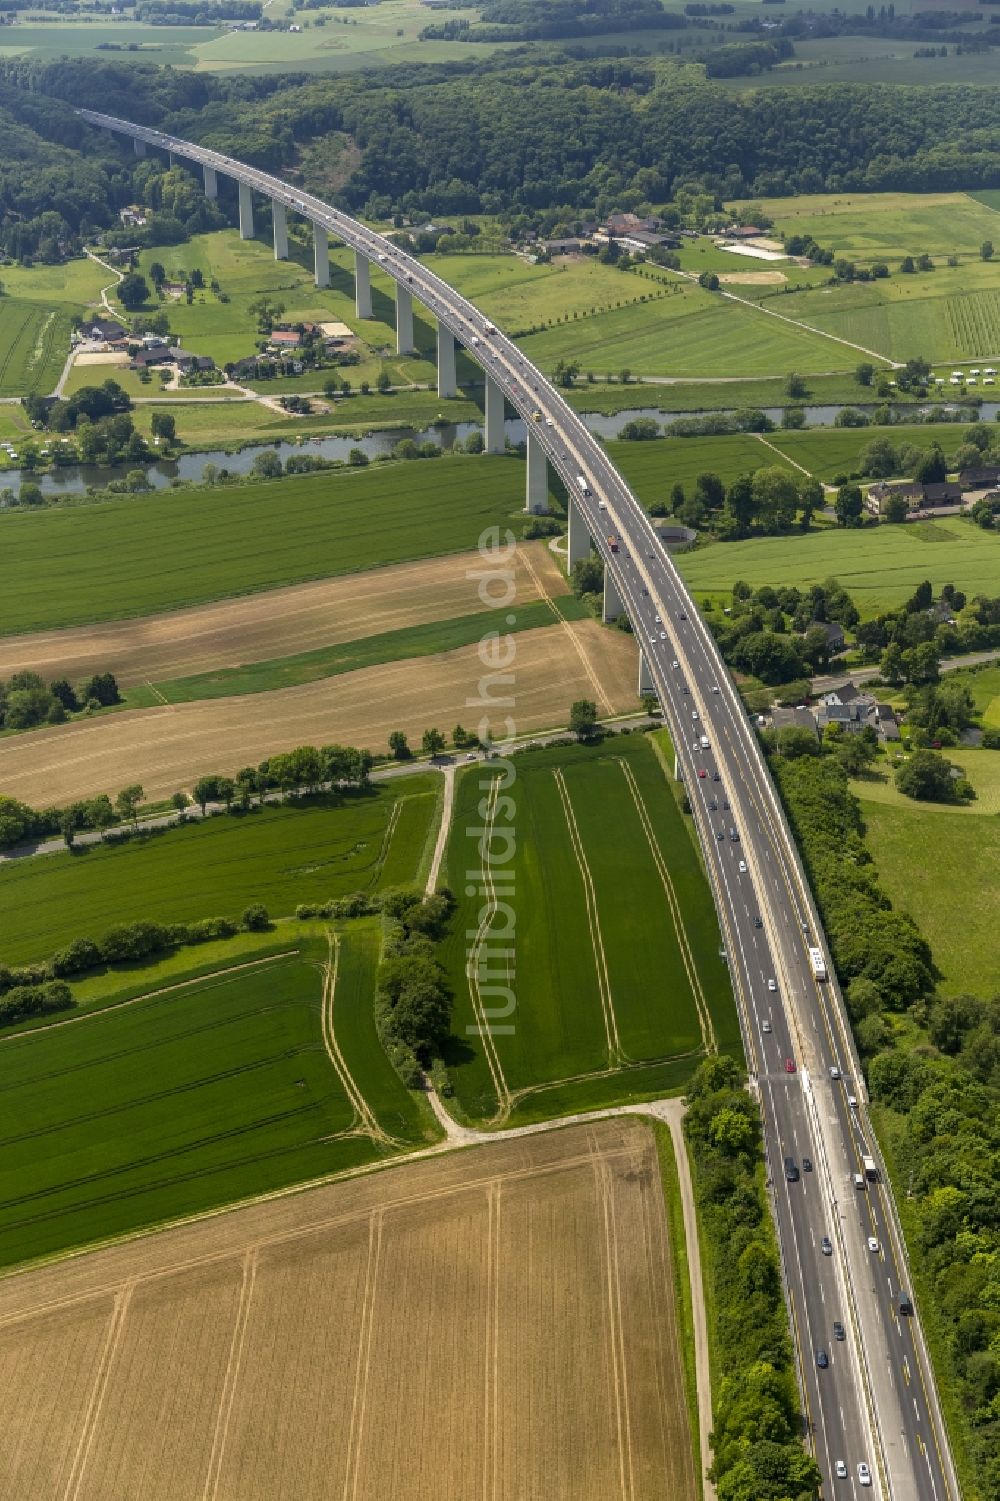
615	1051
364	1116
96	1012
708	1036
567	626
472	971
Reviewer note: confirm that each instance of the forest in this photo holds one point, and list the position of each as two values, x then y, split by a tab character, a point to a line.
503	135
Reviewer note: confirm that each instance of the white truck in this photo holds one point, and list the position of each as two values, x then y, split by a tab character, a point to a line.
818	964
581	485
871	1168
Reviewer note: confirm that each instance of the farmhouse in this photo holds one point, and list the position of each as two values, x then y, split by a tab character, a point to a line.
919	498
834	633
886	722
985	478
794	719
284	338
107	330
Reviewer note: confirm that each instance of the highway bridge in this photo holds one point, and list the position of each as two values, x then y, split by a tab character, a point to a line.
873	1403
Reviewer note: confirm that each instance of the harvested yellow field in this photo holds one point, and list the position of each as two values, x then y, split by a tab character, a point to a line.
167	748
279	623
495	1324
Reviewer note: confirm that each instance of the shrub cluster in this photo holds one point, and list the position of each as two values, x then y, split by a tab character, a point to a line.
756	1443
27	700
413	1000
34	998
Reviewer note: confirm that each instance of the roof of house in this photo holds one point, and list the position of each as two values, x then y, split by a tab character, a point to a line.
945	490
284	336
830	628
793	719
845	691
886	713
975	479
106	328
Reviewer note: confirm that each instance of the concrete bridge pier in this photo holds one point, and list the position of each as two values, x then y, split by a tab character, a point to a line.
321	256
362	285
211	182
612	606
279	224
578	536
646	684
536	497
404	320
496	436
447	379
246	211
138	146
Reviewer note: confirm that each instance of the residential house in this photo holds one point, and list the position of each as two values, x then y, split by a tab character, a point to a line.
794	719
886	723
842	694
284	338
743	232
985	478
919	498
107	330
562	247
834	633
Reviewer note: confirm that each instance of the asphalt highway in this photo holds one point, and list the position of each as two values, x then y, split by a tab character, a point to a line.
873	1402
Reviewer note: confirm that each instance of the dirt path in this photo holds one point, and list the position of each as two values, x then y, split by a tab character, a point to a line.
443	830
786	458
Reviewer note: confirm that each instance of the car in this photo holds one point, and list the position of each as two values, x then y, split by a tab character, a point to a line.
695	714
864	1473
715	687
720	833
791	1171
381	256
685	688
852	1101
657	619
757	922
675	662
725	802
602	505
765	1026
807	1164
681	615
470	756
834	1071
714	805
702	772
789	1065
549	422
772	986
743	867
734	836
716	777
826	1246
663	635
840	1470
822	1359
839	1331
873	1244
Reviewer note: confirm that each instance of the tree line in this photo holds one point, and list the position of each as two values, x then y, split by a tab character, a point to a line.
756	1438
935	1083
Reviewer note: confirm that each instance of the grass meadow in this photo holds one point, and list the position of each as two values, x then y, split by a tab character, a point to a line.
954	898
73	564
34	343
606	1007
214	1090
880	566
306	851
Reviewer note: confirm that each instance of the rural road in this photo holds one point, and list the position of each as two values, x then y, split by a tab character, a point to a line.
444	828
864	674
671	1113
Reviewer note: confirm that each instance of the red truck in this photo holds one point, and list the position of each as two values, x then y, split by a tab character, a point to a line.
613	543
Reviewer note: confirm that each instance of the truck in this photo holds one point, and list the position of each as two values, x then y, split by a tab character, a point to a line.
871	1168
703	742
818	964
613	543
581	484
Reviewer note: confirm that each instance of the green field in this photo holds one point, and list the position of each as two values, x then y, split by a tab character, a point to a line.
954	897
34	343
606	1008
691	333
880	566
870	60
653	468
280	855
982	767
216	1090
72	564
828	451
518	295
426	640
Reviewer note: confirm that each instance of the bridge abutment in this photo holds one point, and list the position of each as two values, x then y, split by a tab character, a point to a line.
279	224
447	382
246	211
404	320
536	497
321	256
496	436
362	285
578	536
